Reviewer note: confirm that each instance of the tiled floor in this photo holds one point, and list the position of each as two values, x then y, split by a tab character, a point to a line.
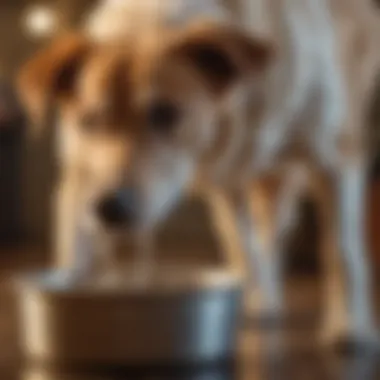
304	361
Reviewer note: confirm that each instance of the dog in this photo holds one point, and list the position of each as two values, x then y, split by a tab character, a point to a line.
258	110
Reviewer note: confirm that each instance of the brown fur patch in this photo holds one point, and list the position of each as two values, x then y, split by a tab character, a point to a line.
51	73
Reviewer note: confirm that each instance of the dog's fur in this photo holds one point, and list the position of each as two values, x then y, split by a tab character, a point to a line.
267	112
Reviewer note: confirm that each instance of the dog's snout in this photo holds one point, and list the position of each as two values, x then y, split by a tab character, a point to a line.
117	209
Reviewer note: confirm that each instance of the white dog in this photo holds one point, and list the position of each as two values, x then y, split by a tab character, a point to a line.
263	108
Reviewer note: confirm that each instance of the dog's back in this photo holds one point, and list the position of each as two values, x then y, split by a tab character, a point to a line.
327	64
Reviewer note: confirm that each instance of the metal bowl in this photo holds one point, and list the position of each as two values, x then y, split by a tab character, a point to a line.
180	315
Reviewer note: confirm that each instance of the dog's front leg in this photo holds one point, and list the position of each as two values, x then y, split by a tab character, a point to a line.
266	215
224	222
257	231
73	244
334	317
352	194
246	221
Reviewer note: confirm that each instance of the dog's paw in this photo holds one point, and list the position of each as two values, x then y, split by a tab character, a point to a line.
365	342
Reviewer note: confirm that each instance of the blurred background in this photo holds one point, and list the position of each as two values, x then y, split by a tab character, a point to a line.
26	170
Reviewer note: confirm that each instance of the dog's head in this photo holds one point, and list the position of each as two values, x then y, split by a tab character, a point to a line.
135	122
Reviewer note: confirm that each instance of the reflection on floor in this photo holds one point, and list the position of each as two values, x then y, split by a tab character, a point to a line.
302	359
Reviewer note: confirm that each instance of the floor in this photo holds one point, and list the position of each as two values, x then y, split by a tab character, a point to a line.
302	359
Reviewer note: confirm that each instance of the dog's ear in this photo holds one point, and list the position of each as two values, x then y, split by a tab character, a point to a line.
50	75
223	54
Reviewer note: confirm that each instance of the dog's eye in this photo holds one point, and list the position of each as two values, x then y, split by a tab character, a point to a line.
163	116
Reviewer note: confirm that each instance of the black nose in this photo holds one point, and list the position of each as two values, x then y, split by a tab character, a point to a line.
116	210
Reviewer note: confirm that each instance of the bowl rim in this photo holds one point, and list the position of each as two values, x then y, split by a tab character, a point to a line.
166	283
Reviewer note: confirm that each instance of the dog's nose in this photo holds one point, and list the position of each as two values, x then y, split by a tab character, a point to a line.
117	209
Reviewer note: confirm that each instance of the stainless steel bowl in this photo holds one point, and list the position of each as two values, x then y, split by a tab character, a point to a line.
181	315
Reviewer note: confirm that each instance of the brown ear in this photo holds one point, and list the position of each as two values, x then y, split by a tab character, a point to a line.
223	54
51	74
